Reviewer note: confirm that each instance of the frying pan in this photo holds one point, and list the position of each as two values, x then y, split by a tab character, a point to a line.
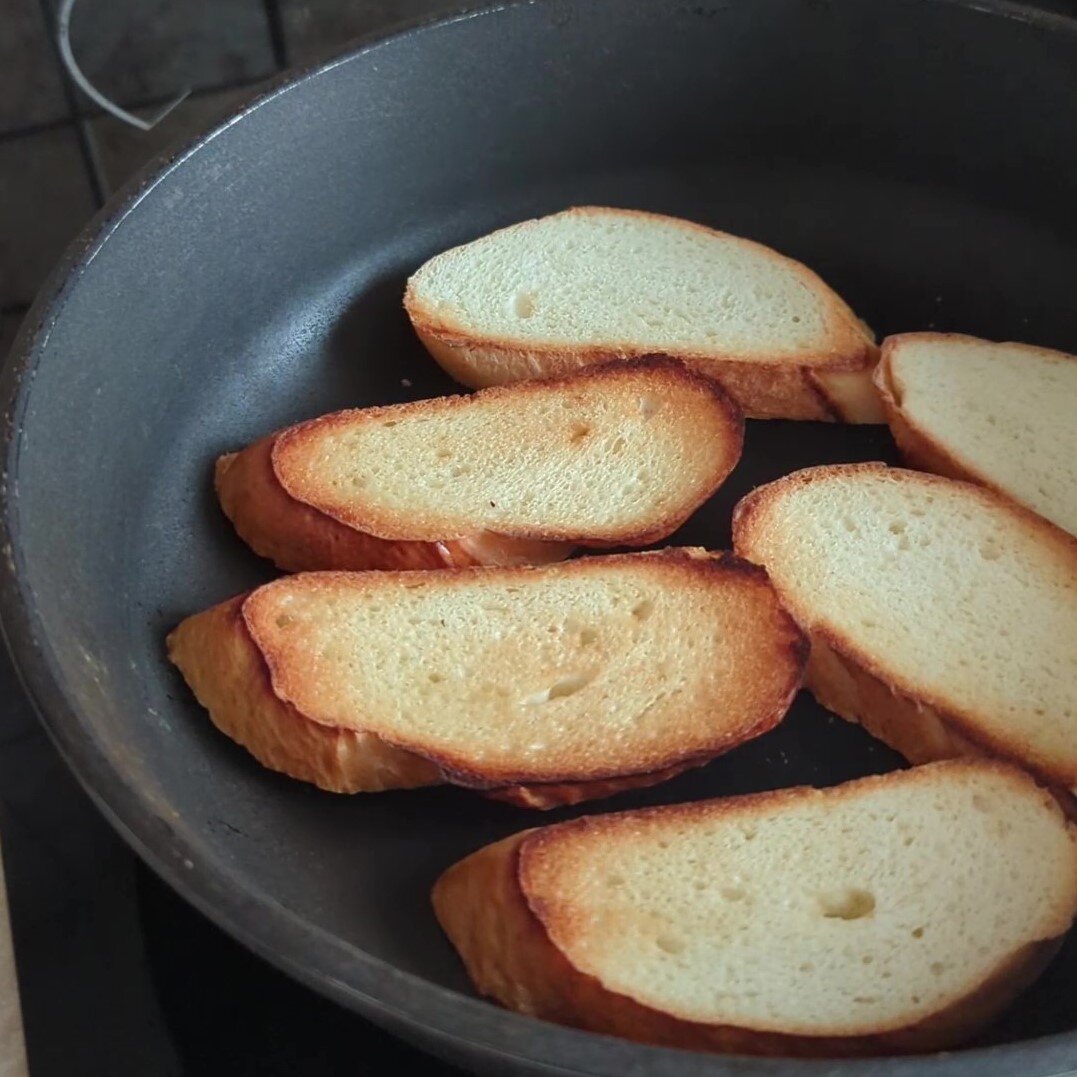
920	155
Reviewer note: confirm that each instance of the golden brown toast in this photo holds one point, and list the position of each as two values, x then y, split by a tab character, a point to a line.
545	297
1000	415
618	455
542	685
943	617
897	913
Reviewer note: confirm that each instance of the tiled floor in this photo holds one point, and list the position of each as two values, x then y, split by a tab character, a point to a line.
32	92
60	155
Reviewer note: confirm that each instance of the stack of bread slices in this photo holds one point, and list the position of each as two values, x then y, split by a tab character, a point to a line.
434	628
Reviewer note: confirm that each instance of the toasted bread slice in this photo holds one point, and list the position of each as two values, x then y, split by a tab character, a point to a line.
894	913
618	455
550	295
1002	415
542	685
942	616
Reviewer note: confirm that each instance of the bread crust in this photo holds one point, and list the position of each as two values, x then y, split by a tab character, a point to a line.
849	680
831	386
230	678
233	677
503	937
919	449
271	516
299	538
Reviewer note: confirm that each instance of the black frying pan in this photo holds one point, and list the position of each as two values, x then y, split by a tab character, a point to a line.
920	155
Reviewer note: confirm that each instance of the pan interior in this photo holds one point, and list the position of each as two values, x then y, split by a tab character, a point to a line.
259	282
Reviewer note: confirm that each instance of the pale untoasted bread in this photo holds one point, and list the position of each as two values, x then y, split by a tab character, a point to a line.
541	685
618	455
548	296
942	616
1002	415
896	913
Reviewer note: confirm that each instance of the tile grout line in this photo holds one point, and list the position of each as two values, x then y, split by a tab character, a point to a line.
277	39
89	157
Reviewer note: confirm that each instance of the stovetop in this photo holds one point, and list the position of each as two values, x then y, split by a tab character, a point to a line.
118	975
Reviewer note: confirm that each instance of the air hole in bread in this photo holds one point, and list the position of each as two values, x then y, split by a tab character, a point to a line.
648	406
523	304
670	944
990	551
285	621
391	423
980	802
733	893
577	432
848	523
897	527
566	686
849	904
917	932
444	454
642	610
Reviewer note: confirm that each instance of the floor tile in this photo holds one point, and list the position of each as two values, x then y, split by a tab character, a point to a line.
138	51
313	28
45	198
31	91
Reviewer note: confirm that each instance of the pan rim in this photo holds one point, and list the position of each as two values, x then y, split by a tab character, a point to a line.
348	975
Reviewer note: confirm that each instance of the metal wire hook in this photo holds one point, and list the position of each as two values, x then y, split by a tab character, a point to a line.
63	35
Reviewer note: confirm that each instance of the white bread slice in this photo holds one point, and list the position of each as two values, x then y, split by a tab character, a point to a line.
547	296
942	616
1002	415
543	685
894	913
618	455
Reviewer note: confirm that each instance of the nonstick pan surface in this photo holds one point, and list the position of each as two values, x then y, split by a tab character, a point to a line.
919	154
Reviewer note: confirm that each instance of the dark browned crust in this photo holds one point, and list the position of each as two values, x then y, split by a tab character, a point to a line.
763	388
911	721
217	649
502	934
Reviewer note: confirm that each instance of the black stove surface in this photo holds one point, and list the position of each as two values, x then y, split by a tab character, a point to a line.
118	975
